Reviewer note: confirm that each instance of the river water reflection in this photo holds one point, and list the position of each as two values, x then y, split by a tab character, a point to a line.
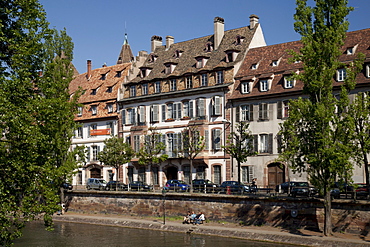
75	234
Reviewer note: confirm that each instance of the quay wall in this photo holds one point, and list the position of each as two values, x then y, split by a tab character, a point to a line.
289	213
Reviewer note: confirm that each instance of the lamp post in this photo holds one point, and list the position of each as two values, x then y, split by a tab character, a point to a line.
164	191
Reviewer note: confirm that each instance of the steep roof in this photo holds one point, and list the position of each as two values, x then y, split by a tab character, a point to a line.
263	57
125	55
192	49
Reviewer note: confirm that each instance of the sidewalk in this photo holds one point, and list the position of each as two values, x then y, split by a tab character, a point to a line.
263	233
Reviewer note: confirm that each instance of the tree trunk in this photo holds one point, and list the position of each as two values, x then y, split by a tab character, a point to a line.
366	171
327	213
239	171
191	175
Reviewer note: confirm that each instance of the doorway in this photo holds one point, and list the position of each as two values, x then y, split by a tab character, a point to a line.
95	173
171	173
276	174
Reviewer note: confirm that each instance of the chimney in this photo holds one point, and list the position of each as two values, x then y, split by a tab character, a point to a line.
219	31
253	21
156	41
88	74
169	41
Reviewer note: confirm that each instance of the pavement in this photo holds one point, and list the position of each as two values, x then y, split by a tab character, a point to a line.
299	237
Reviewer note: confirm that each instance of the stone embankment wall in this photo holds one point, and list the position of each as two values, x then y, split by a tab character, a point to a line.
290	213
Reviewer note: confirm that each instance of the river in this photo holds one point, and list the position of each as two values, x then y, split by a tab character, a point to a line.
76	234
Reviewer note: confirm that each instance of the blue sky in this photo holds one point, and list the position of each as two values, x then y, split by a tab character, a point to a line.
97	27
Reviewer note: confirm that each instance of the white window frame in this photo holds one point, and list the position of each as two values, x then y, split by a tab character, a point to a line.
220	77
245	87
155	113
173	85
216	104
79	109
288	81
263	141
263	111
189	82
145	89
264	85
254	66
341	74
204	79
157	87
245	111
367	69
132	91
94	110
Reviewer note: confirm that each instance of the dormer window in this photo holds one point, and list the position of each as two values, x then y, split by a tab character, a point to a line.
170	67
274	63
144	71
152	58
239	40
367	70
264	85
94	91
254	66
177	54
209	47
103	76
94	110
119	73
110	89
231	55
341	74
201	62
351	50
132	91
288	81
245	87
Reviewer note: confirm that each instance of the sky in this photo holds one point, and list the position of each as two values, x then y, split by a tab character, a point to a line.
98	27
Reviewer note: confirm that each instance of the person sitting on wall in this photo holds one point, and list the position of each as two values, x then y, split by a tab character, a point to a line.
187	218
200	218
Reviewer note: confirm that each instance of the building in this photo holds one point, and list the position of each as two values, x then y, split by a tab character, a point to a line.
180	85
261	94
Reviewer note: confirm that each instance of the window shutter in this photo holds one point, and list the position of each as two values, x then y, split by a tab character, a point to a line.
178	111
251	173
123	117
142	114
260	111
217	105
163	113
237	117
201	108
134	116
206	140
191	106
278	139
250	112
279	109
255	143
155	114
88	154
216	139
270	140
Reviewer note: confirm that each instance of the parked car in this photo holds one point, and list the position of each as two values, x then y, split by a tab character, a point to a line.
205	185
67	186
235	187
341	188
139	186
96	183
287	187
176	185
112	185
362	191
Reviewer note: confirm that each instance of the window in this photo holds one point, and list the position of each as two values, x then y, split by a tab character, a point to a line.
201	62
244	113
367	70
200	172
92	127
254	66
247	174
136	143
94	110
288	82
169	111
141	116
131	116
341	74
350	50
245	87
231	56
141	174
219	77
283	109
170	67
80	132
263	111
133	91
264	85
119	73
204	80
274	63
201	108
217	174
174	144
173	86
186	170
239	40
110	126
154	114
216	139
216	106
103	76
94	91
109	89
79	109
206	139
177	54
144	89
265	143
209	47
95	151
189	82
157	87
110	108
155	175
187	107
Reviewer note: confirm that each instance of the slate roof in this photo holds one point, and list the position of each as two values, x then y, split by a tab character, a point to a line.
263	56
185	64
96	82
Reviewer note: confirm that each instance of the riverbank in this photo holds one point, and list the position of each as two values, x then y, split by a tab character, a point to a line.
222	229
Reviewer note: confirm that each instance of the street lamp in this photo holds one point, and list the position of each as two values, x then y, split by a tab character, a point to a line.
164	191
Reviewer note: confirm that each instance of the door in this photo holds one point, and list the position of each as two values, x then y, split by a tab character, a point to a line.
171	173
95	173
276	174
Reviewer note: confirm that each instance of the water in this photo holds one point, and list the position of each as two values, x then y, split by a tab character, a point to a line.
75	234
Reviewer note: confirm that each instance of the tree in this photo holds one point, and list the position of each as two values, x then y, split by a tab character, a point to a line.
360	111
239	144
152	151
316	136
36	119
116	153
193	145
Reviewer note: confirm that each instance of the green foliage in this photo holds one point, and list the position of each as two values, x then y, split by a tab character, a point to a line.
316	138
36	119
193	142
239	144
116	152
152	152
